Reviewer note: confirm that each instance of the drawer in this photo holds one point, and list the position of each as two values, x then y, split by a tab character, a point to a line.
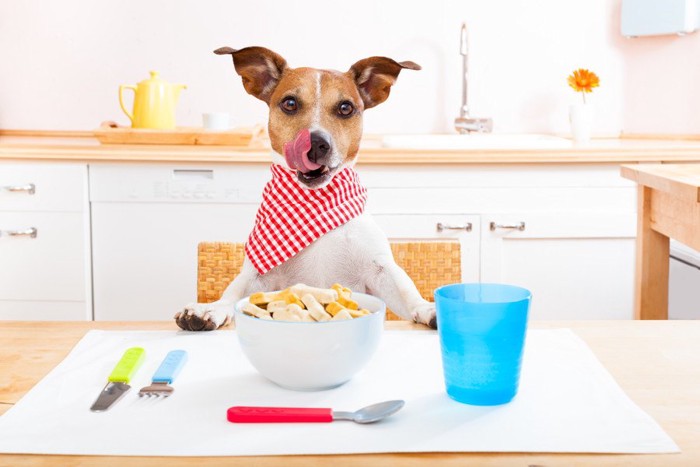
572	175
49	267
428	226
166	183
56	187
21	310
453	200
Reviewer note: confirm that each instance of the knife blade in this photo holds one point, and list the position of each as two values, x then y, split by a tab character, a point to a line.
117	382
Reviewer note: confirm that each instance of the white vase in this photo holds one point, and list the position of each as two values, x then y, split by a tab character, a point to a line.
581	118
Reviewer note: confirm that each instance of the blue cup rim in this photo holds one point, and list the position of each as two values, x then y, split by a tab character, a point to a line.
527	294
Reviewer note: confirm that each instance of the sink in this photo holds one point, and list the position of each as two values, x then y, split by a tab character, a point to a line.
475	141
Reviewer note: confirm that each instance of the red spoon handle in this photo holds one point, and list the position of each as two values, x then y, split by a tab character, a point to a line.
241	414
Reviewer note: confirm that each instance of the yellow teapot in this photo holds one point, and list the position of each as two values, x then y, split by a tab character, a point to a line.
154	103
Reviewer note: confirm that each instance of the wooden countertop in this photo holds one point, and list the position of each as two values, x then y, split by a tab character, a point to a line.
657	363
80	147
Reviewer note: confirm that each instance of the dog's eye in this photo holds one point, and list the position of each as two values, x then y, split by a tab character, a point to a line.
289	105
345	109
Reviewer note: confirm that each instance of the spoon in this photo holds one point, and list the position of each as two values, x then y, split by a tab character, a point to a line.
370	414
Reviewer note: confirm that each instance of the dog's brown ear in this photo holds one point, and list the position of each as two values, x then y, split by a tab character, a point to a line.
374	77
260	69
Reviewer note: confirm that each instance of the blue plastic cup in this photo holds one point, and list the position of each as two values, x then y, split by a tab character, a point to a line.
482	335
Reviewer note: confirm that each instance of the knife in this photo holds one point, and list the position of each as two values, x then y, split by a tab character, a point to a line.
117	383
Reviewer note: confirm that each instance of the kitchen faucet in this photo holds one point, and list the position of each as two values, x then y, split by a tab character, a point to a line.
466	124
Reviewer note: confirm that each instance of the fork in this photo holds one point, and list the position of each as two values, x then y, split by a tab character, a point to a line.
165	374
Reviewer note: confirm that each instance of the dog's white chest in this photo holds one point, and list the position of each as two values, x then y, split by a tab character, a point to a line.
343	255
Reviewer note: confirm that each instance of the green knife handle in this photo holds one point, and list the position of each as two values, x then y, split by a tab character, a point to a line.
127	366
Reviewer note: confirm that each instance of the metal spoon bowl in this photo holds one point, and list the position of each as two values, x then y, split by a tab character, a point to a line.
371	413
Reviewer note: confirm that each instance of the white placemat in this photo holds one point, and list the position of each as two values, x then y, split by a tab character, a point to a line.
567	403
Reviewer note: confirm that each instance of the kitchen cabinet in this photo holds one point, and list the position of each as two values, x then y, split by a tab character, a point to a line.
146	223
564	231
132	242
577	266
44	242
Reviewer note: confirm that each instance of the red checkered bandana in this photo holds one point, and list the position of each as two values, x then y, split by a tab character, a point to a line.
291	217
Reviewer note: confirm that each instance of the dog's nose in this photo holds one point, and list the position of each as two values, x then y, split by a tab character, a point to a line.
320	147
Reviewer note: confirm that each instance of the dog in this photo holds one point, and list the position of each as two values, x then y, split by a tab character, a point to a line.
315	127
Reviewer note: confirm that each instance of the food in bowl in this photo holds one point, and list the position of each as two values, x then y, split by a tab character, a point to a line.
301	302
311	355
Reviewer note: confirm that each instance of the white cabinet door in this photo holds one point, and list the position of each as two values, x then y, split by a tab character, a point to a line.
49	266
424	227
578	266
147	220
145	254
44	242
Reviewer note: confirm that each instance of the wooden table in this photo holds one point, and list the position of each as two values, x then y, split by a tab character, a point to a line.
657	363
668	207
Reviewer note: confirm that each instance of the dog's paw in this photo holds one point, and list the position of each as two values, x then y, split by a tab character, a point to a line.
425	314
203	317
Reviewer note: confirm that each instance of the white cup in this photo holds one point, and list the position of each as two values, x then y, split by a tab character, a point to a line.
216	121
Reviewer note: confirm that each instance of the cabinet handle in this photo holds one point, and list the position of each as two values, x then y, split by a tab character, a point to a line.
30	232
466	227
29	188
493	226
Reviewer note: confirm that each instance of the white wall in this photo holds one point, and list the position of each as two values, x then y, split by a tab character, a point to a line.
662	84
62	61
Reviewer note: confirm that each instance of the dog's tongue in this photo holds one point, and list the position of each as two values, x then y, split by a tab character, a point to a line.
297	152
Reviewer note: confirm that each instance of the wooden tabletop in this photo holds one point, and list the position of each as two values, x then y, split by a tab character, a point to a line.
681	180
657	363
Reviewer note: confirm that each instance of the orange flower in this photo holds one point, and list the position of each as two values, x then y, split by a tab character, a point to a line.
583	81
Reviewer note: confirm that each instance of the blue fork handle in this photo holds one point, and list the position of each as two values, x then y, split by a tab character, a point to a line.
170	367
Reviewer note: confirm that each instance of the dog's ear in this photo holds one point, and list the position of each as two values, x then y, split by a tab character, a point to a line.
374	77
260	69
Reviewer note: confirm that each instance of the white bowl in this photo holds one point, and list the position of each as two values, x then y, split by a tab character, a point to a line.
311	356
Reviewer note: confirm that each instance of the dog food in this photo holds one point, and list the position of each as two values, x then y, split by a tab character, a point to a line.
303	303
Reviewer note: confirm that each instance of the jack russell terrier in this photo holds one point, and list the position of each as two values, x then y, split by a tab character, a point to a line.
311	227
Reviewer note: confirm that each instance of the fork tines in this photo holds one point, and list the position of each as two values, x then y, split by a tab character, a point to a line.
156	390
